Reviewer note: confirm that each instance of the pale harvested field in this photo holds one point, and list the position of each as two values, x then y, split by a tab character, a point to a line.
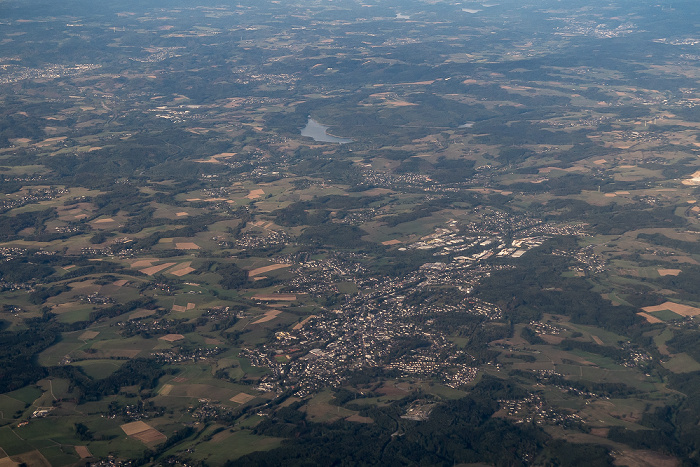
179	308
242	398
693	180
87	335
619	145
549	339
182	272
391	242
669	272
399	103
151	436
546	170
142	262
165	390
103	221
156	269
181	214
171	337
120	283
651	319
50	141
264	269
179	266
215	158
302	323
83	451
280	297
187	246
7	462
268	316
683	310
377	192
135	427
255	194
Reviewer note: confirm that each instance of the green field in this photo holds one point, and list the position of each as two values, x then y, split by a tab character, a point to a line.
60	455
682	363
27	394
227	446
10	407
11	443
99	369
666	315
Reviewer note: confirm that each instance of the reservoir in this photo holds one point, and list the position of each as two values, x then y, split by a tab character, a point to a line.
318	132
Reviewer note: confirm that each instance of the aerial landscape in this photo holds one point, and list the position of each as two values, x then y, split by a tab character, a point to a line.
344	232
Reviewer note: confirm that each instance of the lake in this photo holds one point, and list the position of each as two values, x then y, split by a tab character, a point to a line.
318	132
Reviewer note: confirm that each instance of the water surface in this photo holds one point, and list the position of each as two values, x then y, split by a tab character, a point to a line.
319	133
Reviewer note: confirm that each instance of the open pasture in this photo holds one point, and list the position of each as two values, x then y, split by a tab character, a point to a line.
59	388
11	443
201	391
33	458
231	446
242	398
681	363
666	315
73	312
264	269
320	410
99	369
27	394
60	455
9	407
275	297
